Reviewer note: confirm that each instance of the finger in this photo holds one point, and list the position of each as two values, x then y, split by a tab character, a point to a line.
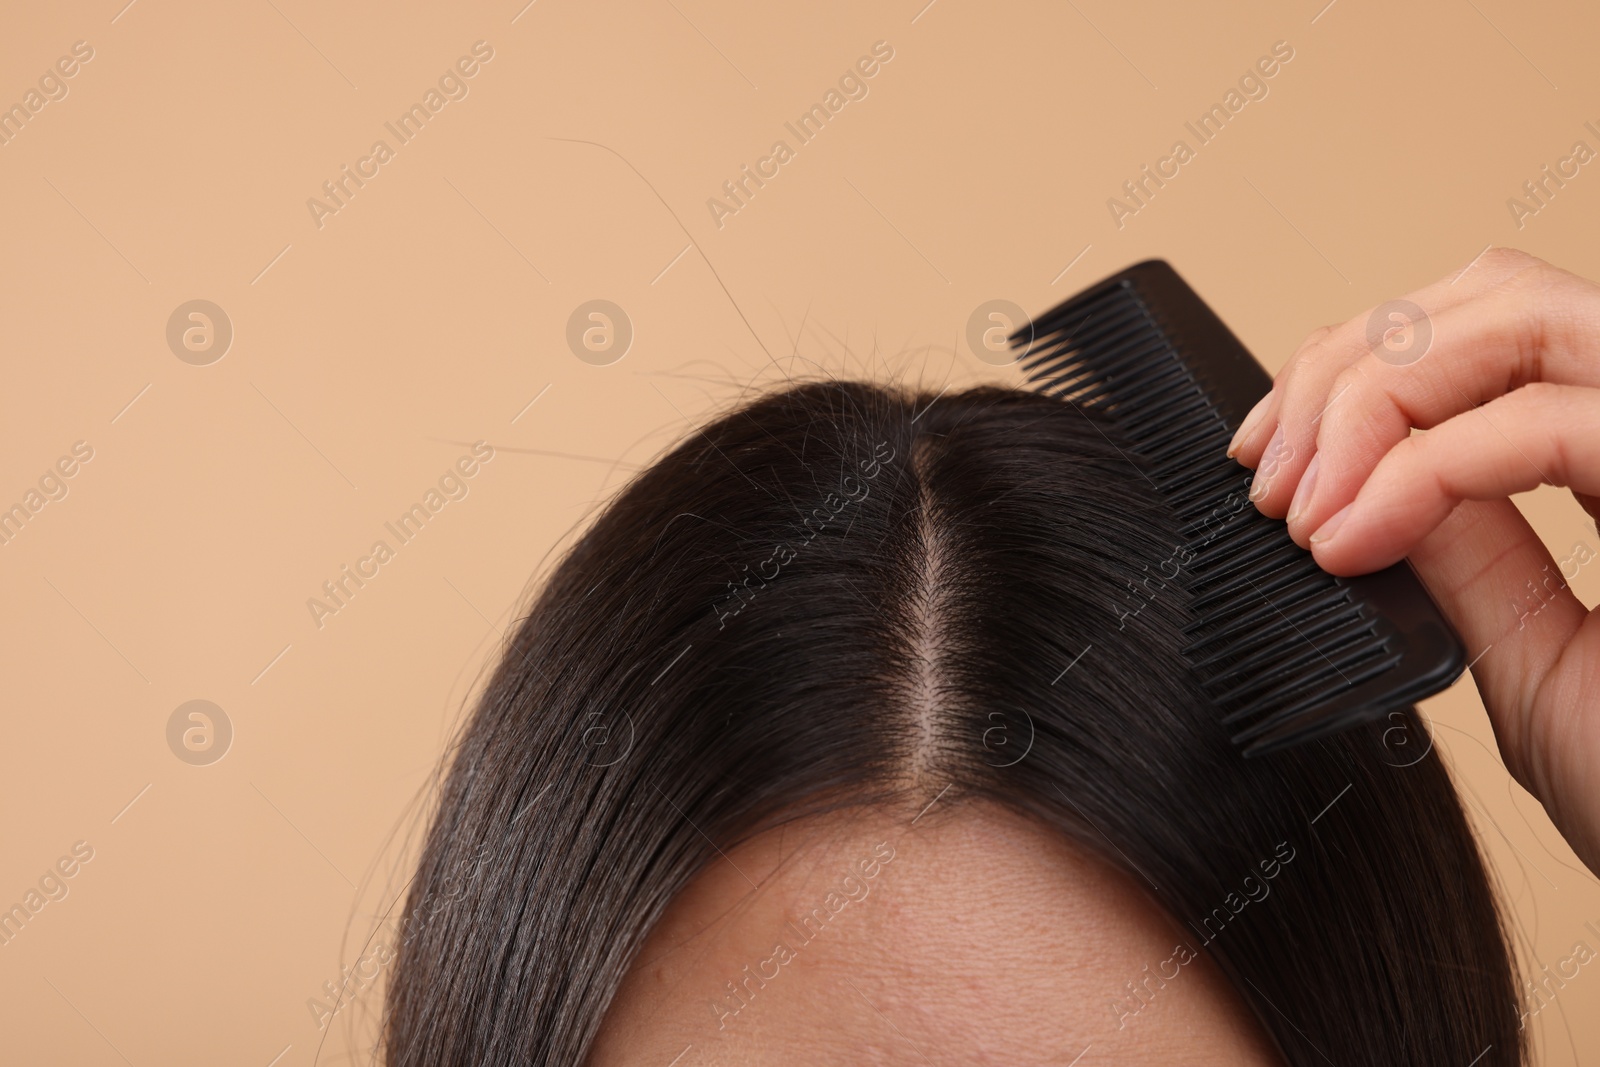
1481	348
1539	434
1330	349
1518	320
1250	439
1478	564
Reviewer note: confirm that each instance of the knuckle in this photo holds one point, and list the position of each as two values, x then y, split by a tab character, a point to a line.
1516	268
1348	380
1344	393
1506	257
1541	394
1313	343
1410	450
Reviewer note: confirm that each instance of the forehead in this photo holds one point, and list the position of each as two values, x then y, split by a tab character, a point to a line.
969	935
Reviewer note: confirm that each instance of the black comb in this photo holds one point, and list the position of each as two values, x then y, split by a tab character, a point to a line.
1289	652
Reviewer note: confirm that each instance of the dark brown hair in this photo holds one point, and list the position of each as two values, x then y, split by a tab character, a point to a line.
843	591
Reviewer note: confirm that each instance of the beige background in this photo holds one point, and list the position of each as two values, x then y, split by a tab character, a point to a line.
431	310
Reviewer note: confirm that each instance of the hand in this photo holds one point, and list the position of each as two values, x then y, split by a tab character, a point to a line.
1508	392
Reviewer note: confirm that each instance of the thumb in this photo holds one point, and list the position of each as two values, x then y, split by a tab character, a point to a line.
1497	583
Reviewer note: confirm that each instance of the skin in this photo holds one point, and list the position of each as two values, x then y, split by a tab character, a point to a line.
985	939
1508	393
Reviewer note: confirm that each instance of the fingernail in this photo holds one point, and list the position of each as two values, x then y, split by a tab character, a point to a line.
1269	465
1248	424
1303	491
1331	527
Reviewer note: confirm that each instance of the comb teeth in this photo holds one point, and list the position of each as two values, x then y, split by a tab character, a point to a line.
1287	651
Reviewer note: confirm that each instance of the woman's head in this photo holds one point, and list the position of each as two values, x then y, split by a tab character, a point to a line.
837	606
